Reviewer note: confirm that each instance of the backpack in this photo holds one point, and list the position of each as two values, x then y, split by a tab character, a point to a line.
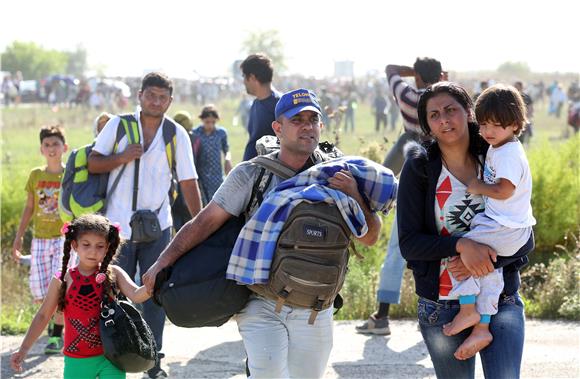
312	252
195	146
82	192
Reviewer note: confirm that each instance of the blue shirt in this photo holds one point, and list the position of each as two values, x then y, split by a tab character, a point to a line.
260	123
209	163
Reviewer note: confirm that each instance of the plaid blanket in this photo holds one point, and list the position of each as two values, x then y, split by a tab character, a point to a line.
254	249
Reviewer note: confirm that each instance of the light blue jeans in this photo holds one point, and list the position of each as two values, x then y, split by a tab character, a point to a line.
284	345
392	271
501	359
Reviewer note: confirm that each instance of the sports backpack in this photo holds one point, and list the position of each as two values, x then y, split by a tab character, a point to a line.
82	192
312	252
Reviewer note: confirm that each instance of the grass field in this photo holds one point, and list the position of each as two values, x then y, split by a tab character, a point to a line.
20	153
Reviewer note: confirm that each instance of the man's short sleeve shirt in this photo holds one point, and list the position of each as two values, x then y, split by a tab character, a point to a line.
154	175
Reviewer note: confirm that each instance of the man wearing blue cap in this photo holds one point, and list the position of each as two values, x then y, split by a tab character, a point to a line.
279	345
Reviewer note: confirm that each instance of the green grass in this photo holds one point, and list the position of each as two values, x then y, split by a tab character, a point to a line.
20	152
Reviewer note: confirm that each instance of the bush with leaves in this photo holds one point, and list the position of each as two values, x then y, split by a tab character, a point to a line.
551	289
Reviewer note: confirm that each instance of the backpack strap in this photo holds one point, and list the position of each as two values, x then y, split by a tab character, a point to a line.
130	128
169	139
270	164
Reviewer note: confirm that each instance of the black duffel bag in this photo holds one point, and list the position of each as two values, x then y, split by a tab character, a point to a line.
127	339
194	291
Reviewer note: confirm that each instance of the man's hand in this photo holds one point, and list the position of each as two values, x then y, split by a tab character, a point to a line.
132	152
402	71
148	279
476	257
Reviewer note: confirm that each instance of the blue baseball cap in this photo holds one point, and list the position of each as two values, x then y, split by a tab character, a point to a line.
293	102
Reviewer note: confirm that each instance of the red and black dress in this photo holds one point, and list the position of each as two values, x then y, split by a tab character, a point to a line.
81	314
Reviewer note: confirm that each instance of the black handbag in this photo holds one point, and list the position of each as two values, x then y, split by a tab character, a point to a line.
127	339
144	223
145	226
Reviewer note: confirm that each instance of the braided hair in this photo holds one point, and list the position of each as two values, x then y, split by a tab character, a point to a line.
91	223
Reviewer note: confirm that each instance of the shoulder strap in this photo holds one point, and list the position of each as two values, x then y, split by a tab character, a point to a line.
273	166
169	138
129	124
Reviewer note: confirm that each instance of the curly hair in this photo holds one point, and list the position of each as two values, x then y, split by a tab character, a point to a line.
91	223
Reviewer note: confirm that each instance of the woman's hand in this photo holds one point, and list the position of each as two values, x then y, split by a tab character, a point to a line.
477	258
458	269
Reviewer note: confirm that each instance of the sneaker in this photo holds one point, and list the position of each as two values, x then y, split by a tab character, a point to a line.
54	345
156	371
379	326
50	327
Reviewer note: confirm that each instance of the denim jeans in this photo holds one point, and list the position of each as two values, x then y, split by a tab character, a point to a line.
284	345
392	271
501	359
145	254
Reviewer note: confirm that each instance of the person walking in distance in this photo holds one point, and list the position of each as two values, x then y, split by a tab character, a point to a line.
258	73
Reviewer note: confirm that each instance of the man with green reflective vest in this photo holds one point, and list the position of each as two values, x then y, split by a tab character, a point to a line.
147	164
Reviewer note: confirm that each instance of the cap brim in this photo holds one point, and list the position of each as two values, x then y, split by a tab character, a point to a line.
294	111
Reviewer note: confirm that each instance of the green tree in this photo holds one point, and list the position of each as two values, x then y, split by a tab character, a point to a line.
267	42
514	69
77	61
33	60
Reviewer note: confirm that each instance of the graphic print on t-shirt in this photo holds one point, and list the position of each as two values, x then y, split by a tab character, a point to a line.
454	211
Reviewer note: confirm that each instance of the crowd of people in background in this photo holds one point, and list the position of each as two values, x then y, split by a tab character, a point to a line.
339	97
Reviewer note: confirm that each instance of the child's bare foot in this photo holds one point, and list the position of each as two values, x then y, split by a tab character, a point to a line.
466	318
479	338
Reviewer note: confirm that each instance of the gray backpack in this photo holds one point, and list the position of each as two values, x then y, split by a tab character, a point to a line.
311	259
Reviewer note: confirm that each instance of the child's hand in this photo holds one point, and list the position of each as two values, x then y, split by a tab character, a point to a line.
493	255
473	186
16	248
16	360
344	181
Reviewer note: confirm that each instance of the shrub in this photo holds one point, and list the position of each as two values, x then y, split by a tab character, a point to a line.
17	306
551	290
556	191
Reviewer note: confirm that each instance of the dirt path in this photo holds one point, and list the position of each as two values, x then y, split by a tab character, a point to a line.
552	350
